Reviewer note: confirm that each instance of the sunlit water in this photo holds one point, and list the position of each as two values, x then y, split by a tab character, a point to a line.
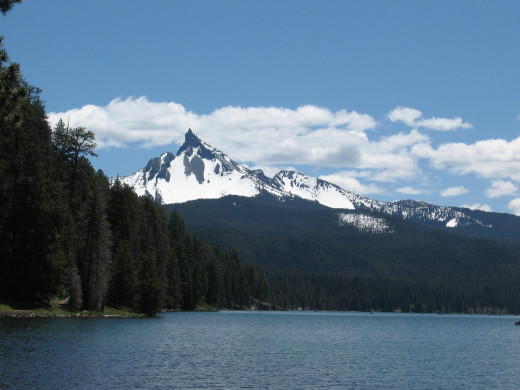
229	350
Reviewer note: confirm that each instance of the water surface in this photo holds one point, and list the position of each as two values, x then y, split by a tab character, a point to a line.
231	350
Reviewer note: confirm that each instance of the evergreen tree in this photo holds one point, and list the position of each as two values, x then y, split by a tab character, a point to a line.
97	246
150	289
7	5
214	279
124	282
27	193
125	215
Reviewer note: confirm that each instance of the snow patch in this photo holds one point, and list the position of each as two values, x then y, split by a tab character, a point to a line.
365	223
452	223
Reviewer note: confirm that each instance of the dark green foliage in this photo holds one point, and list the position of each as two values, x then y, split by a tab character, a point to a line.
312	261
7	5
150	288
27	193
123	288
97	246
66	231
158	265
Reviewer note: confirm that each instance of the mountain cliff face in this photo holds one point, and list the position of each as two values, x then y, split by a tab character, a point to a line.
200	171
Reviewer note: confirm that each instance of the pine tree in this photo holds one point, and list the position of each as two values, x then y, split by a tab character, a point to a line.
7	5
150	289
26	191
124	282
97	247
214	279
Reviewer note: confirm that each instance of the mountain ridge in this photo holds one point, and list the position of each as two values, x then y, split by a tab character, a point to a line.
200	171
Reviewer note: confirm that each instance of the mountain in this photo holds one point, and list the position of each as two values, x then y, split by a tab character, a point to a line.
321	257
322	246
200	171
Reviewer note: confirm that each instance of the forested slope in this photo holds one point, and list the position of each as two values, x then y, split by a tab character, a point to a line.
313	259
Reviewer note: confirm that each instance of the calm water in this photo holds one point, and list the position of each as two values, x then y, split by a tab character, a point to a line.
228	350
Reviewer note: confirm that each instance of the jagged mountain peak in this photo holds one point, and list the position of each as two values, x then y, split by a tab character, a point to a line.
190	141
200	171
193	143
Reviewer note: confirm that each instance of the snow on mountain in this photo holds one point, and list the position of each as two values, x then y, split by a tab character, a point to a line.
420	211
200	171
365	223
310	188
197	171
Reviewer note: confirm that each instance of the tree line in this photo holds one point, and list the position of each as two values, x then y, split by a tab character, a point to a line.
314	291
66	231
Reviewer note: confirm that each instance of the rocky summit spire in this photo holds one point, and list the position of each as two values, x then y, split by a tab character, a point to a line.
191	139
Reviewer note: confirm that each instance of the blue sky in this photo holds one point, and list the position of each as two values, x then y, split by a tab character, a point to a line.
391	99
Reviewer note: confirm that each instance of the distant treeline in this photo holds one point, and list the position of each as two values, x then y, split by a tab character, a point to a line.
66	232
340	292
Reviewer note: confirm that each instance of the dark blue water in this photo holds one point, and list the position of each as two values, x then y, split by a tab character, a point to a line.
230	350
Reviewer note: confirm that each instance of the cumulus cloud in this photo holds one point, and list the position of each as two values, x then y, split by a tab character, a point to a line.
478	206
491	159
514	206
270	137
160	123
308	134
405	114
444	124
413	118
454	191
500	188
131	120
264	136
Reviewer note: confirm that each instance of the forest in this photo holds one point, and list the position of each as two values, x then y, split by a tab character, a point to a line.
67	232
311	261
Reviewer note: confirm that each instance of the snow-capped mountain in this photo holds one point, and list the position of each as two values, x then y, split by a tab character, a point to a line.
197	171
200	171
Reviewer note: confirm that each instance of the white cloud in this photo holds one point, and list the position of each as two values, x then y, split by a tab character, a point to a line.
271	137
409	191
514	206
412	118
478	206
491	159
444	124
351	184
323	136
454	191
389	159
500	188
263	136
405	115
131	120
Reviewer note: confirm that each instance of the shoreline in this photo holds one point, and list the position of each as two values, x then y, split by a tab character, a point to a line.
33	314
60	310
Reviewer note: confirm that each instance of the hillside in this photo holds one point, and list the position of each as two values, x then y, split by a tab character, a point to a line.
320	246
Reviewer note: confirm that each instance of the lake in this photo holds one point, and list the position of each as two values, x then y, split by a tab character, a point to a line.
262	350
